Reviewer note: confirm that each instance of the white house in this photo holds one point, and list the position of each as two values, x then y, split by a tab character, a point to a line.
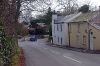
60	28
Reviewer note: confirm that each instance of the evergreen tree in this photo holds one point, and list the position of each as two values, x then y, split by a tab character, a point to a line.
49	20
84	9
48	16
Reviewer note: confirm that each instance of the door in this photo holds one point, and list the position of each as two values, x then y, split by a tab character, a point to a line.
91	41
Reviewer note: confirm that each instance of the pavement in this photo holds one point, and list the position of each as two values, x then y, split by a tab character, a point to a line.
38	53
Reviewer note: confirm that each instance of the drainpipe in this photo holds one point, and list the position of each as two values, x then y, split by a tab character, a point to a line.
89	32
69	34
89	39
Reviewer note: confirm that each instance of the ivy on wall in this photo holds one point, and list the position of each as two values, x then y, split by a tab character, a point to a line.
8	34
8	47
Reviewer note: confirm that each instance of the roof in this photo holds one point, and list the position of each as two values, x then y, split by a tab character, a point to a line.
67	18
85	17
97	26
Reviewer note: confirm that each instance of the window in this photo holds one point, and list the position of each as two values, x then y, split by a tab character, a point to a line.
58	39
61	40
57	27
54	21
54	28
61	27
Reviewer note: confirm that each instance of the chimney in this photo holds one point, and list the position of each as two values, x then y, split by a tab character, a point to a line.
54	16
58	12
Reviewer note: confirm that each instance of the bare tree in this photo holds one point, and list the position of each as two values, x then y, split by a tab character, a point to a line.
36	6
8	16
92	7
68	6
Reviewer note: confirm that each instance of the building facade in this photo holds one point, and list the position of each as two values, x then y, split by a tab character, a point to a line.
84	31
60	28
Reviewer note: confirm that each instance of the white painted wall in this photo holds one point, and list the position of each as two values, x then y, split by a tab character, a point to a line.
58	33
54	17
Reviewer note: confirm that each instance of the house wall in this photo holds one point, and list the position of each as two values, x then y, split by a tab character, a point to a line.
96	37
84	27
54	17
65	35
78	34
59	36
73	33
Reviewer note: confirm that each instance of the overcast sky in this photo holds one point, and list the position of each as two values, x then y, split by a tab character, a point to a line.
94	2
80	2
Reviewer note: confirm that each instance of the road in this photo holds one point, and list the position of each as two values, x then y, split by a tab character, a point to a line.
40	54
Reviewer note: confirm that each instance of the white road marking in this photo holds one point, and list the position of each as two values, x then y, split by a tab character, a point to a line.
72	59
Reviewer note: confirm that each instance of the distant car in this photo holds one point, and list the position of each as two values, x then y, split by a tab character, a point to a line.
32	38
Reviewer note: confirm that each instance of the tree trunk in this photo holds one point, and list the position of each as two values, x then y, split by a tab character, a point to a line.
9	18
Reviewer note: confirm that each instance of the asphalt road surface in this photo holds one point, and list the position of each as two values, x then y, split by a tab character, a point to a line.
40	54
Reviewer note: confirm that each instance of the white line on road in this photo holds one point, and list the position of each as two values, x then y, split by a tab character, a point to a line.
72	59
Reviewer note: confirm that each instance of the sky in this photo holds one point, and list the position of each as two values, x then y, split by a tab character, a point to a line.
94	2
80	2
